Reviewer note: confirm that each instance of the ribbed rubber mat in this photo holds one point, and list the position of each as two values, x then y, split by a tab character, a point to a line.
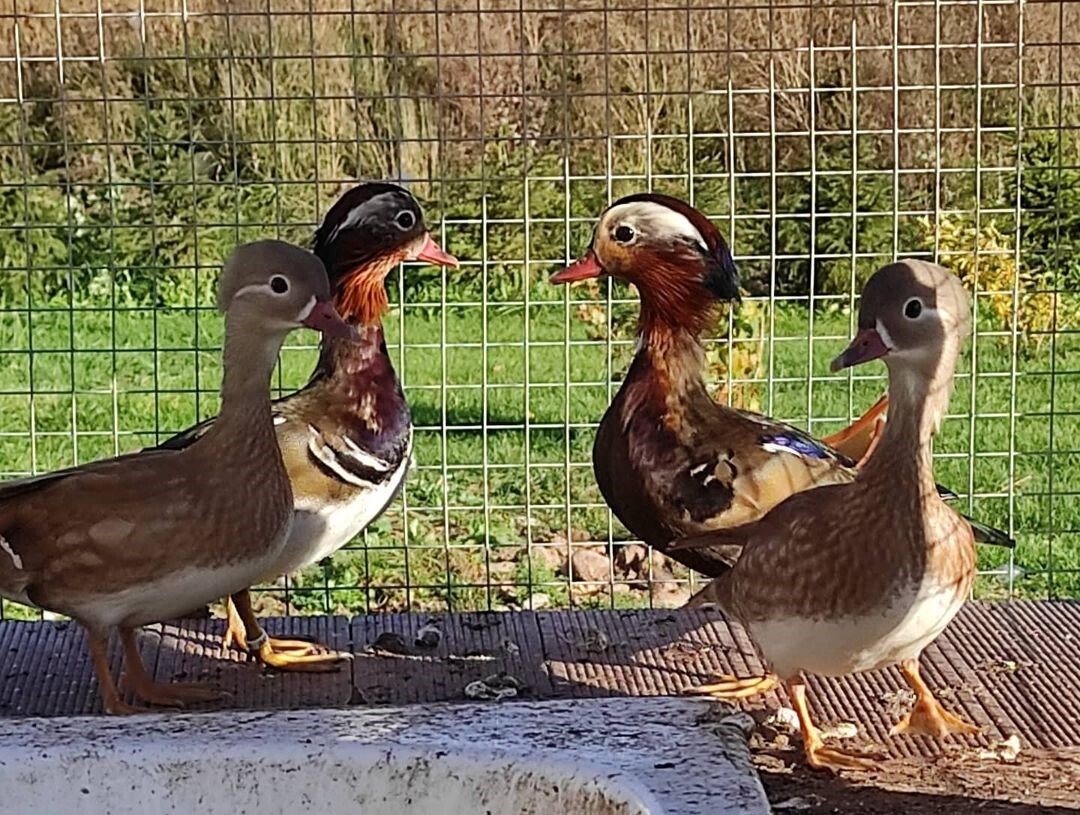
1008	667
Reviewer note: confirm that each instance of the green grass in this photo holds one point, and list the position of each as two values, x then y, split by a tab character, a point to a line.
502	464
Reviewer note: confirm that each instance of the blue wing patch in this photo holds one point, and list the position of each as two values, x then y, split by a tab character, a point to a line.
799	444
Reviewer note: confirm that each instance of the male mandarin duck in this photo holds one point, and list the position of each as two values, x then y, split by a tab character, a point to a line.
150	535
853	577
669	460
347	435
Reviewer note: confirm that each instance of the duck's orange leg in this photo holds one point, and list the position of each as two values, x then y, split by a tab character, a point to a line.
236	634
169	694
855	439
98	645
928	717
288	655
818	755
733	687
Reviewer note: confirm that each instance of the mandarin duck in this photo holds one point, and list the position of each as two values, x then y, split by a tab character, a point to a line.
669	460
147	536
347	435
854	577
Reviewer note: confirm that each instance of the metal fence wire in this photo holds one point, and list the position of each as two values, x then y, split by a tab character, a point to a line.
141	139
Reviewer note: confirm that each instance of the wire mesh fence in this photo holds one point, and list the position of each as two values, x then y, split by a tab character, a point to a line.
141	139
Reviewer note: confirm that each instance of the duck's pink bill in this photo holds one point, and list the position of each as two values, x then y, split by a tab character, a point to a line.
432	253
866	346
584	269
324	318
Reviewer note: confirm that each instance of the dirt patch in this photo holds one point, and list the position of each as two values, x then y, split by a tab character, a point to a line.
957	782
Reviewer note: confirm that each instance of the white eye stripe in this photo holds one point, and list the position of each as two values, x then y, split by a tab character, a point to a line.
361	212
656	220
305	312
885	336
253	287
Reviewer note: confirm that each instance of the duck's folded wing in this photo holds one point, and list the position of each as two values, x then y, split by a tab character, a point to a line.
23	486
106	505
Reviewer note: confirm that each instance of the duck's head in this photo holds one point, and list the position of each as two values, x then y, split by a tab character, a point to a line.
674	256
275	287
912	314
366	233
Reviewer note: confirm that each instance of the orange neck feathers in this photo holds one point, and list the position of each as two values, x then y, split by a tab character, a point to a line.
361	296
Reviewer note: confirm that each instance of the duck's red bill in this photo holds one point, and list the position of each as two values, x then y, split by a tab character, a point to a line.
324	318
586	268
866	346
431	252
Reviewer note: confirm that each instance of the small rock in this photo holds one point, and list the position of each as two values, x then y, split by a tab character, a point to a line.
795	803
630	559
502	571
538	600
390	642
783	718
590	566
841	730
429	636
670	595
553	556
1007	750
494	687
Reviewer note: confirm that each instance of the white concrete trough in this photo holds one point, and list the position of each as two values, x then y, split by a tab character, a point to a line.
586	757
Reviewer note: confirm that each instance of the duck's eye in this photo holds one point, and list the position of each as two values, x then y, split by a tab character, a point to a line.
279	285
405	220
624	234
913	308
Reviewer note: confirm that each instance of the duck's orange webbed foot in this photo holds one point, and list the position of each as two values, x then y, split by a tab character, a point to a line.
287	655
928	717
167	694
734	687
817	754
269	652
821	757
236	636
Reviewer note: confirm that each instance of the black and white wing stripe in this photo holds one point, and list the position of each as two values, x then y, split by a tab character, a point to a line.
348	462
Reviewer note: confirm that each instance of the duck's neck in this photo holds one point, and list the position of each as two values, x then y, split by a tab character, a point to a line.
362	301
249	358
676	356
918	404
360	374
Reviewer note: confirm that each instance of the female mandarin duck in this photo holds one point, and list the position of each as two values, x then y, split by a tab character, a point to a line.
668	459
151	535
347	435
854	577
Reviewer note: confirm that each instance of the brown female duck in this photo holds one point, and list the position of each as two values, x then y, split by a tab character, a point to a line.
150	535
859	576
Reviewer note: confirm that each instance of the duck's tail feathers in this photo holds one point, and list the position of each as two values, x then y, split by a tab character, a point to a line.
991	536
855	439
705	597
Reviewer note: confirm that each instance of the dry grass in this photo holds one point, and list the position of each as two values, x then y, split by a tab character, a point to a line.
388	90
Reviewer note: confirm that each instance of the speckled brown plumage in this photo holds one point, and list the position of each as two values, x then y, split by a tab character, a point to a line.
150	535
858	576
